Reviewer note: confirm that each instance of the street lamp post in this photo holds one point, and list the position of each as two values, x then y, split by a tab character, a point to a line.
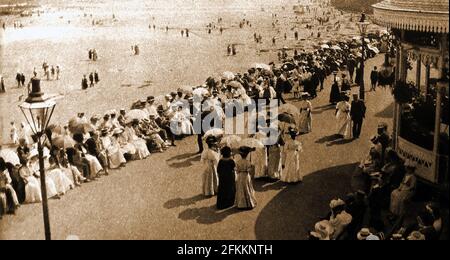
38	112
362	26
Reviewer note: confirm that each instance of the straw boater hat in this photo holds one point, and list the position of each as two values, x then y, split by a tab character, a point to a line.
416	235
363	234
336	203
117	131
397	237
372	237
322	231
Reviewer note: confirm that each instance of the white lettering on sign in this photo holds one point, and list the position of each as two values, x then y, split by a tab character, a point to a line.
425	159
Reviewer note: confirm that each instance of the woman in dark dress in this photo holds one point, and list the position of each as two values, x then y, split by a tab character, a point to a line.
227	180
335	94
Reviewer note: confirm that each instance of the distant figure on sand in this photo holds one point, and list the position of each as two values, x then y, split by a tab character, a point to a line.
96	77
91	80
84	83
58	71
2	85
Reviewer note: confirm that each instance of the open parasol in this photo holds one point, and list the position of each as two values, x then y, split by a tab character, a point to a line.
235	84
10	156
228	75
252	143
289	109
200	92
63	142
232	141
261	66
286	118
216	132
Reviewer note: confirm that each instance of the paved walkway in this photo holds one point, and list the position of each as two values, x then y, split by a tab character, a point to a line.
158	198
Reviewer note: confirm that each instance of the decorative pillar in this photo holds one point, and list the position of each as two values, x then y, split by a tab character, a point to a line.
427	78
437	128
418	71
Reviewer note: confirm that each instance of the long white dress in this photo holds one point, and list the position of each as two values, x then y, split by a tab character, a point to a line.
304	124
140	144
50	184
32	187
274	166
259	159
180	124
344	121
125	146
291	161
245	194
210	159
115	157
62	183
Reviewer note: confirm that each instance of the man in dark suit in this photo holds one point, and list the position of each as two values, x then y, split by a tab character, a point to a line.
280	86
374	78
357	113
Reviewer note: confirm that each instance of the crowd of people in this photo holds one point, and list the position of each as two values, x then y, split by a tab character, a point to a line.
381	208
86	149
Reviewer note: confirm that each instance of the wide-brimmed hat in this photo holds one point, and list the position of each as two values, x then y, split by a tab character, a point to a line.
322	231
416	235
363	234
336	203
245	150
117	131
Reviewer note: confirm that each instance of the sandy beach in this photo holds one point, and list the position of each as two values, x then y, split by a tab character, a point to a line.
166	61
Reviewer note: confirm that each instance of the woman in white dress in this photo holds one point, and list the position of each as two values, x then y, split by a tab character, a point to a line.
139	143
126	147
304	124
50	184
62	183
115	157
274	165
210	158
94	165
406	190
291	160
32	187
344	122
180	123
245	193
259	158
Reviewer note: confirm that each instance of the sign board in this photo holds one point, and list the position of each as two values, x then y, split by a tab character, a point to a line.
424	158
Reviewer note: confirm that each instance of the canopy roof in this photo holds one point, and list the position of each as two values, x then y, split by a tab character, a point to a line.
415	15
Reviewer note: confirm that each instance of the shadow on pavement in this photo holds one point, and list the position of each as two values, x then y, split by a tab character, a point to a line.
321	109
340	142
207	215
266	184
179	202
295	210
328	138
181	157
186	163
388	112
